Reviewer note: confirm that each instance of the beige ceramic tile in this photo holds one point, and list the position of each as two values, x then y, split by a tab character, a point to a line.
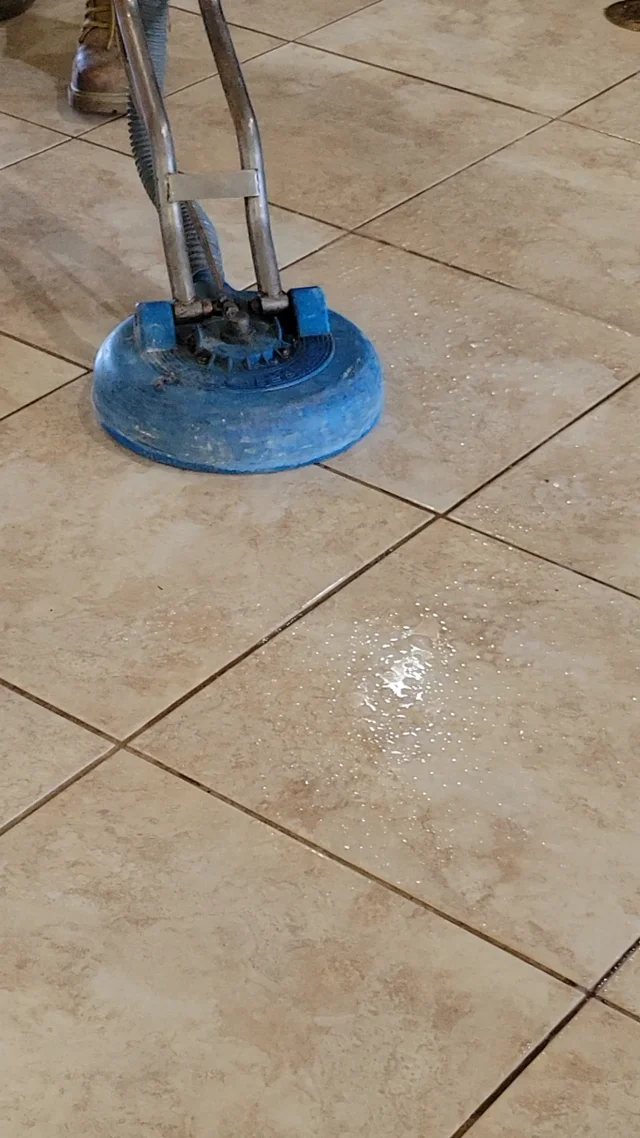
615	112
287	18
576	499
557	213
26	374
125	583
19	140
546	56
173	967
189	56
584	1083
476	374
459	721
398	136
36	52
35	63
39	751
623	988
80	246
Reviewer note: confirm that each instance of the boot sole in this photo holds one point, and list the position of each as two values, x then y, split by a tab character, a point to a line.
97	102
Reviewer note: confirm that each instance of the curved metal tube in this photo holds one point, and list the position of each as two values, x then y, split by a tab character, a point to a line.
149	104
249	146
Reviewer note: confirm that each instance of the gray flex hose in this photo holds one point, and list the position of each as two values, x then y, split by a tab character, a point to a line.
154	14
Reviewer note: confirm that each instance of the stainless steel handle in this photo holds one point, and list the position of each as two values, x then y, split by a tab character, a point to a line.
149	104
250	148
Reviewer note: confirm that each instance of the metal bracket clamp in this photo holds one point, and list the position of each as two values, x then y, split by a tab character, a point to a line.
208	187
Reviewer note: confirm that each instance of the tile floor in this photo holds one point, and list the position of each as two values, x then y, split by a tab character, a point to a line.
318	792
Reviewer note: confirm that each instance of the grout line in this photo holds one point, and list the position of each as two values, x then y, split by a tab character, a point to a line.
316	847
551	304
518	1070
618	1008
596	130
547	300
538	446
362	8
64	137
35	153
58	710
358	229
382	489
302	42
539	556
591	98
109	119
106	120
600	132
266	639
447	178
260	31
51	794
269	636
590	994
396	205
38	399
619	963
45	351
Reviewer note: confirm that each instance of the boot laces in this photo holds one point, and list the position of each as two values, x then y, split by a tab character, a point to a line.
99	14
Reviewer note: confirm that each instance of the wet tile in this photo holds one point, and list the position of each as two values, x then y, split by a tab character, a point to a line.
19	140
36	51
458	721
195	972
614	112
575	500
623	988
399	136
557	213
126	583
26	374
476	374
287	19
89	247
585	1082
39	751
546	57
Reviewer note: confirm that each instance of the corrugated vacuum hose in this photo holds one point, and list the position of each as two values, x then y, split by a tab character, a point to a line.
222	379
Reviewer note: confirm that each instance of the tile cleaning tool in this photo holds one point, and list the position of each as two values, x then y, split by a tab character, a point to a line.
220	379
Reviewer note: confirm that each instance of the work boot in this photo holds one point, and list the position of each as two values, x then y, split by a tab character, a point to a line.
98	79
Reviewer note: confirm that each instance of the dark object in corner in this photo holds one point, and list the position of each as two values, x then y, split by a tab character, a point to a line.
11	8
625	13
